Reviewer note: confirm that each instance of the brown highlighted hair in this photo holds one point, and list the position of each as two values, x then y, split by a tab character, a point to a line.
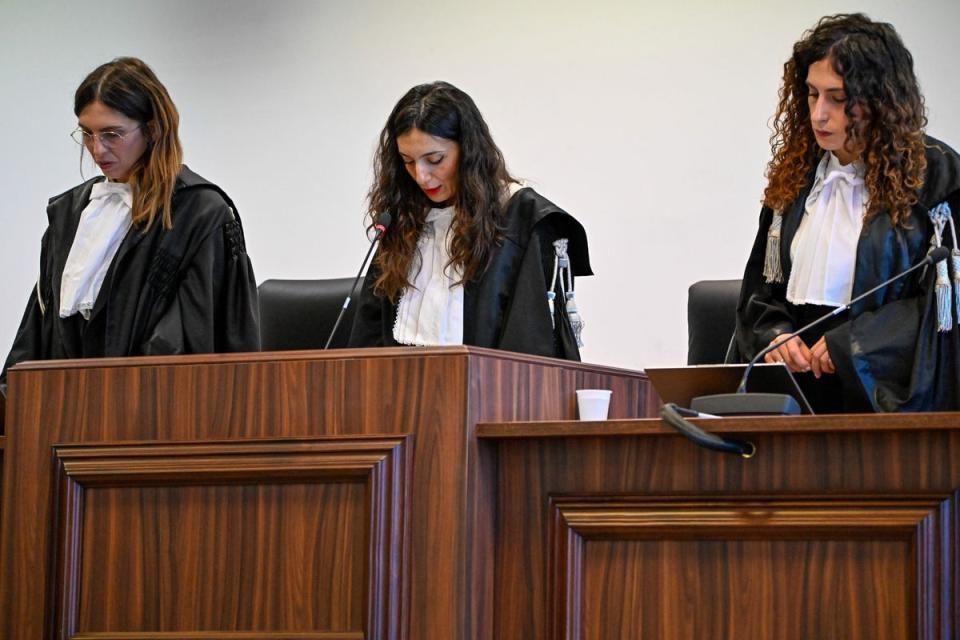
441	110
884	107
129	86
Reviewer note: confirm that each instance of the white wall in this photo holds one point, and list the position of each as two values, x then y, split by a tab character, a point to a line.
648	121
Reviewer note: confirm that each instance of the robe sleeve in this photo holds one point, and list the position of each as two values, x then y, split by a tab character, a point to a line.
762	311
897	355
369	329
215	306
28	343
32	341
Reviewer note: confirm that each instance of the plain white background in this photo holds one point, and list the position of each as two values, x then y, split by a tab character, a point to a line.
647	121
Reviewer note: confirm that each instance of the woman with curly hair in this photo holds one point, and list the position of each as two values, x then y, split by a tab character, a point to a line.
472	257
856	193
147	259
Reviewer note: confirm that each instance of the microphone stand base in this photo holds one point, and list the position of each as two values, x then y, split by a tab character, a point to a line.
747	404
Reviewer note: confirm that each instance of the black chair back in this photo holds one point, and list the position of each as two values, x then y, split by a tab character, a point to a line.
299	314
711	318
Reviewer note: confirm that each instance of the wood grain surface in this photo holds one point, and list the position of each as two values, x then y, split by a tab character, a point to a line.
235	536
434	396
825	533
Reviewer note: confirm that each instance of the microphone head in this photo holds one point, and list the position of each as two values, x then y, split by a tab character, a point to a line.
938	254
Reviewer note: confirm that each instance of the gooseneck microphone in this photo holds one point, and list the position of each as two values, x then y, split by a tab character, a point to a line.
379	227
743	403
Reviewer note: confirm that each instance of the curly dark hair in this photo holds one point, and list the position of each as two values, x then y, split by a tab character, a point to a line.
441	110
885	113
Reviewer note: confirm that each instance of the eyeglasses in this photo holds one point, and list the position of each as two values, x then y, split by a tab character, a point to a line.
109	139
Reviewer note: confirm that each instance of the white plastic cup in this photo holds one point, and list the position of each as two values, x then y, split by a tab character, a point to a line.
593	404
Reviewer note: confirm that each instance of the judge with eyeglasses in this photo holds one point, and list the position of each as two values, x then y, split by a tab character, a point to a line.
148	259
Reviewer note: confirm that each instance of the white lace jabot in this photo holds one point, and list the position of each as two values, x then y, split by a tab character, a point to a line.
430	312
824	250
103	225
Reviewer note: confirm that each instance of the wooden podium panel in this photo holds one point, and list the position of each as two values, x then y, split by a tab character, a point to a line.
309	495
768	593
839	527
236	536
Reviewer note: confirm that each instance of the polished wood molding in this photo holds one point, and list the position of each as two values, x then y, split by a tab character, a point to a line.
129	410
757	516
88	542
217	635
756	424
833	530
328	354
920	522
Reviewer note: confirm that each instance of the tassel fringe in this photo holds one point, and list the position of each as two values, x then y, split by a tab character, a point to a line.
576	322
955	259
948	297
772	269
944	299
563	280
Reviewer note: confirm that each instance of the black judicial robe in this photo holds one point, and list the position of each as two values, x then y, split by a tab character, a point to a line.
887	351
506	308
189	289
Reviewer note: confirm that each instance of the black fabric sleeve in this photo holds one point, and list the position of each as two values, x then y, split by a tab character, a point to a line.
214	307
28	343
896	355
368	321
32	340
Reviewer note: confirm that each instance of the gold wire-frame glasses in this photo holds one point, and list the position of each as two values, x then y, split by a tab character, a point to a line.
108	139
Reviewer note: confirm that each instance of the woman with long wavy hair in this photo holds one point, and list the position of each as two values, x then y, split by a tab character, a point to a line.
472	256
856	193
148	258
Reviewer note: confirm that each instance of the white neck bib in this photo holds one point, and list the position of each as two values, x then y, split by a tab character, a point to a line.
430	312
103	224
824	250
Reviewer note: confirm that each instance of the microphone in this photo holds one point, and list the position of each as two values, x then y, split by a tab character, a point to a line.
380	226
743	403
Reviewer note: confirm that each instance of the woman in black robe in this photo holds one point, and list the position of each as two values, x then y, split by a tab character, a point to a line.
856	194
148	259
472	257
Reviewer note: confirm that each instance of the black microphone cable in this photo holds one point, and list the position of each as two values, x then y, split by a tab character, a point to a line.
671	414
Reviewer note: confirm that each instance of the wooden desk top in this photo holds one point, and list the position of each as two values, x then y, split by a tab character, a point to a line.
764	424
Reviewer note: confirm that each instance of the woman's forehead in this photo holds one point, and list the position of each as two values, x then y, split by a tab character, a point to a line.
97	115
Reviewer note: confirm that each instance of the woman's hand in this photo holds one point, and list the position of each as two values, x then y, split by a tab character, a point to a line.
820	360
793	353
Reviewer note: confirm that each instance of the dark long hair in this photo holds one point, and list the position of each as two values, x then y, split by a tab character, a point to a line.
129	86
884	107
441	110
